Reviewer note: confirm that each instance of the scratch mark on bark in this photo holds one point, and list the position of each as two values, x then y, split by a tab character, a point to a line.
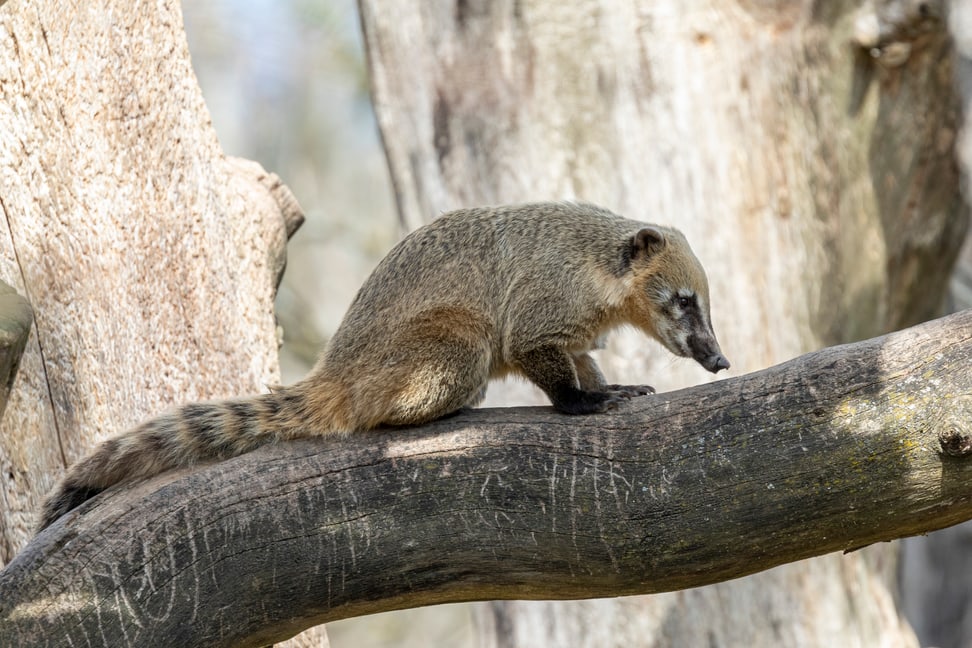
194	566
173	568
600	522
573	510
119	596
101	624
614	487
124	605
209	552
354	557
553	496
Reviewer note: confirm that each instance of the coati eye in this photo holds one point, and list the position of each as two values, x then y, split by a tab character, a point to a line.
683	301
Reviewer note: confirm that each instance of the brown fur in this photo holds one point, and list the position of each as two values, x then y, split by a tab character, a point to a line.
477	294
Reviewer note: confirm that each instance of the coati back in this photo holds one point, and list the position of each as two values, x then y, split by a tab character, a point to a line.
477	294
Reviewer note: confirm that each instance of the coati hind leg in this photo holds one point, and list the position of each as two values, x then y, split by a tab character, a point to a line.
445	359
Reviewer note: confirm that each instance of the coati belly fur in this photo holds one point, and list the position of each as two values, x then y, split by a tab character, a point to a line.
477	294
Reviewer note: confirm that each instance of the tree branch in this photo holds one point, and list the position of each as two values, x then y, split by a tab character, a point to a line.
831	451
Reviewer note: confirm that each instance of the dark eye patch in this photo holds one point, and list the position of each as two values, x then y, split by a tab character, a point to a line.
684	302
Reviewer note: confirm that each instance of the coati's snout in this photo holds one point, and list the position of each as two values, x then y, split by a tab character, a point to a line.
685	331
704	349
715	363
713	360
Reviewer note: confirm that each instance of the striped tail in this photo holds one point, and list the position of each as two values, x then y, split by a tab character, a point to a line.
188	434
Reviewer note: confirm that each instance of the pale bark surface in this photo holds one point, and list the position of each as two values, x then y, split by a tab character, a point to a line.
149	257
806	149
829	452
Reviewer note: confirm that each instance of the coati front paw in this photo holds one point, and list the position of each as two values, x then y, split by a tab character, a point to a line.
630	391
589	402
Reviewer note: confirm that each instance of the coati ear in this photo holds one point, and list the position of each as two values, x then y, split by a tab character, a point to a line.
647	242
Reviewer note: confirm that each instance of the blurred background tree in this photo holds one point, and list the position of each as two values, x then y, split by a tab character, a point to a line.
287	85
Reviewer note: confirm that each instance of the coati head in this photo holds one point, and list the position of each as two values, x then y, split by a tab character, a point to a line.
670	296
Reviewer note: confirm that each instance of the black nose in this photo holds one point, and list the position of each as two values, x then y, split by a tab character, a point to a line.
715	363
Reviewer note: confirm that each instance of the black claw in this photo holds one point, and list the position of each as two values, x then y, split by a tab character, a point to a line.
613	400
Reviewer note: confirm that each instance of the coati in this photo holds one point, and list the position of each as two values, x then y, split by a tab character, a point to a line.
477	294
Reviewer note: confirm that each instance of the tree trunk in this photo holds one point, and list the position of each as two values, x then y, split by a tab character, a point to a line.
804	148
831	451
150	258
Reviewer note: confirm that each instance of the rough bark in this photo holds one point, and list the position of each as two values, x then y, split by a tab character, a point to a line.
832	451
806	150
150	259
